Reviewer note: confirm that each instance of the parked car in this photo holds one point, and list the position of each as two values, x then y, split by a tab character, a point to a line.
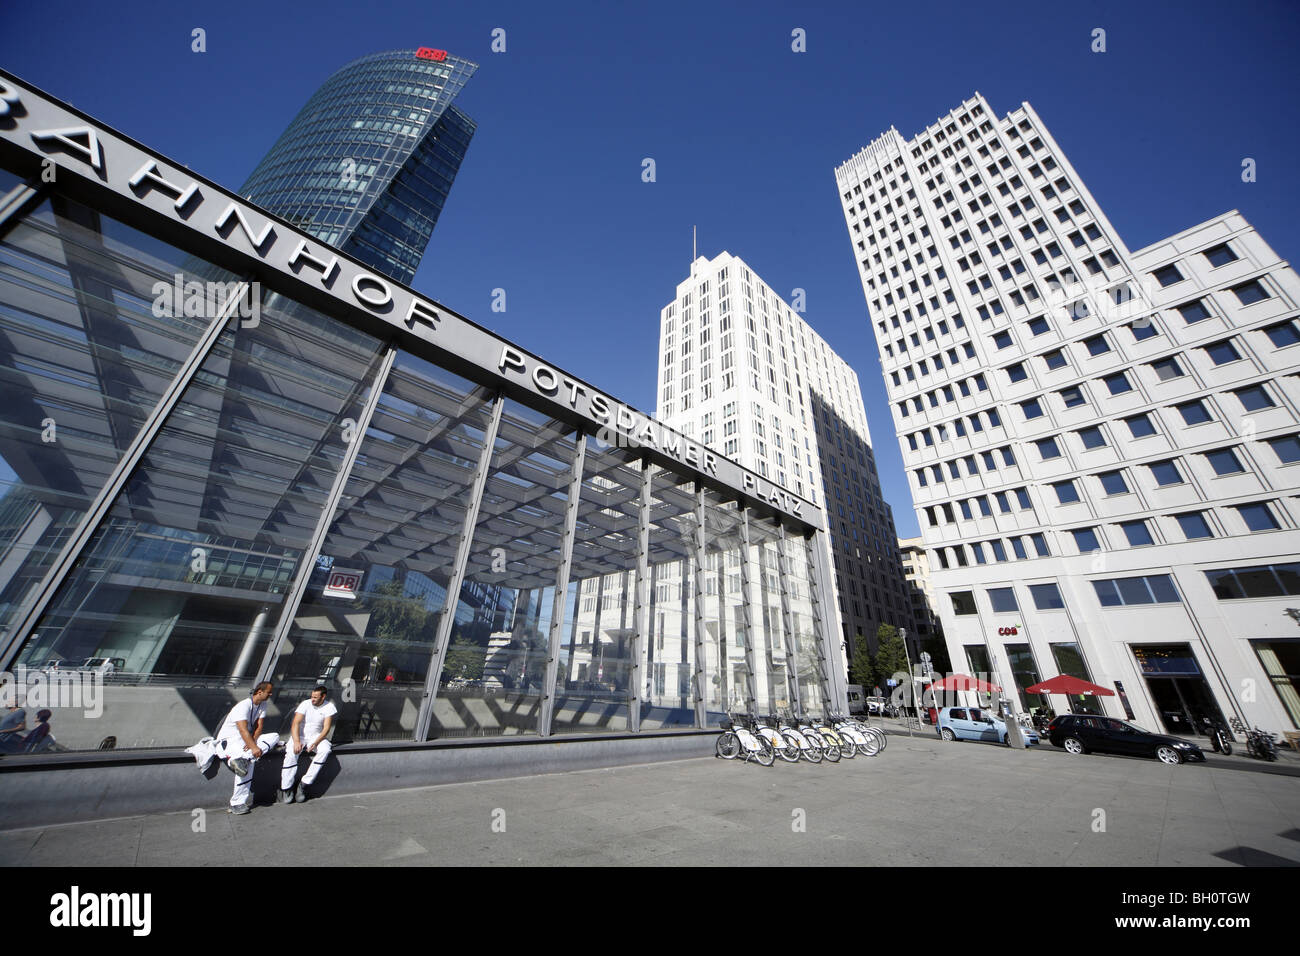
103	665
876	705
973	723
1085	733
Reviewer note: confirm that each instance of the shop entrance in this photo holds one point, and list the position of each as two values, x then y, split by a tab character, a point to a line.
1179	690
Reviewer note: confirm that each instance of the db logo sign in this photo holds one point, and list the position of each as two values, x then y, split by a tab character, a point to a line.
343	584
1008	631
425	53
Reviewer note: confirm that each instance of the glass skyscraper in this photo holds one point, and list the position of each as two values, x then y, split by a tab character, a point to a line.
367	164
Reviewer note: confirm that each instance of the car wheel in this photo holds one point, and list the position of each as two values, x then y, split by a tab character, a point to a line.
947	734
1006	739
1169	755
1073	745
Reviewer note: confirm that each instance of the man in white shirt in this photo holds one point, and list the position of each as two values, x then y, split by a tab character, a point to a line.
312	722
240	742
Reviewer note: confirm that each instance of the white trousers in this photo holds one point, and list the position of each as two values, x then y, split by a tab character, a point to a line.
230	749
291	763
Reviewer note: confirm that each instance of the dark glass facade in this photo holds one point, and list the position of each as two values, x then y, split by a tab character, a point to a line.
320	476
367	164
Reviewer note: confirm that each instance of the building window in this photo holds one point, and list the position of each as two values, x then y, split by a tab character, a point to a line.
963	602
1047	597
1221	353
1168	275
1112	482
1167	368
1096	345
1118	383
1149	589
1194	525
1224	461
1265	580
1282	334
1031	408
1003	600
1092	437
1085	539
1165	473
1002	339
1140	426
1048	449
1072	396
1038	326
1287	448
1220	255
1250	292
1017	373
1054	359
1254	398
1194	412
1137	532
1194	311
1258	517
1066	492
1144	329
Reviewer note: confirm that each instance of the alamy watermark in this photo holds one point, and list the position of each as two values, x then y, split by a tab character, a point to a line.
39	688
207	300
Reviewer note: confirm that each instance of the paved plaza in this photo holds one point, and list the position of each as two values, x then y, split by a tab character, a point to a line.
922	802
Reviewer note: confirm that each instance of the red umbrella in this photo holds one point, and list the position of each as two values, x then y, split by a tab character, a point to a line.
963	682
1074	686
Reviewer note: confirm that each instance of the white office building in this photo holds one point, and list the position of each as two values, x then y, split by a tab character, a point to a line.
743	373
1102	444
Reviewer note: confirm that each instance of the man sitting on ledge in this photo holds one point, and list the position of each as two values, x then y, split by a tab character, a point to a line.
240	742
312	722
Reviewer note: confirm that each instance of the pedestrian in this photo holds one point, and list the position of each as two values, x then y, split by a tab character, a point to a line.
240	742
11	729
312	722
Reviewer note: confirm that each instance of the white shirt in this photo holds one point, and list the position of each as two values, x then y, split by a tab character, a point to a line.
245	710
313	718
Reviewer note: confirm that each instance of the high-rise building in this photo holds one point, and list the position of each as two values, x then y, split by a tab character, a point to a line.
745	374
367	164
916	572
1101	443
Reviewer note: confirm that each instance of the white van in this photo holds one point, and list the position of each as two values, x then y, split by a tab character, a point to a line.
857	702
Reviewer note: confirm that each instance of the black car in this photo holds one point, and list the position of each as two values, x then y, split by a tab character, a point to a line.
1084	733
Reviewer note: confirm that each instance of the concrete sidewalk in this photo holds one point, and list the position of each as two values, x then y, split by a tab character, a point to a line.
920	802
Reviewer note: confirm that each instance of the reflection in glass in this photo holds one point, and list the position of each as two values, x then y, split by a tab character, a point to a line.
592	685
389	554
669	698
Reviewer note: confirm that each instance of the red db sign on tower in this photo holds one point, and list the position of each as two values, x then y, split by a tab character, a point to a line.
427	53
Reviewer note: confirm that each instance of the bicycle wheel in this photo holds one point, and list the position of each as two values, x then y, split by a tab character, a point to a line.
869	746
813	754
788	751
766	753
847	748
881	737
728	746
832	752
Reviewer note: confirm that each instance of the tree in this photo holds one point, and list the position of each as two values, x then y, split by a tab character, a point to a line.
860	668
891	654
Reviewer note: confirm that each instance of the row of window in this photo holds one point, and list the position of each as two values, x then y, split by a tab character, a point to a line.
1259	581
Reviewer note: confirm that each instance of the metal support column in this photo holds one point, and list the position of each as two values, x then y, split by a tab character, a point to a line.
457	577
641	610
825	658
44	593
556	635
787	620
747	615
17	203
701	672
294	598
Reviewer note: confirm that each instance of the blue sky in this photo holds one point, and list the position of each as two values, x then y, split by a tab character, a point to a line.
745	134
